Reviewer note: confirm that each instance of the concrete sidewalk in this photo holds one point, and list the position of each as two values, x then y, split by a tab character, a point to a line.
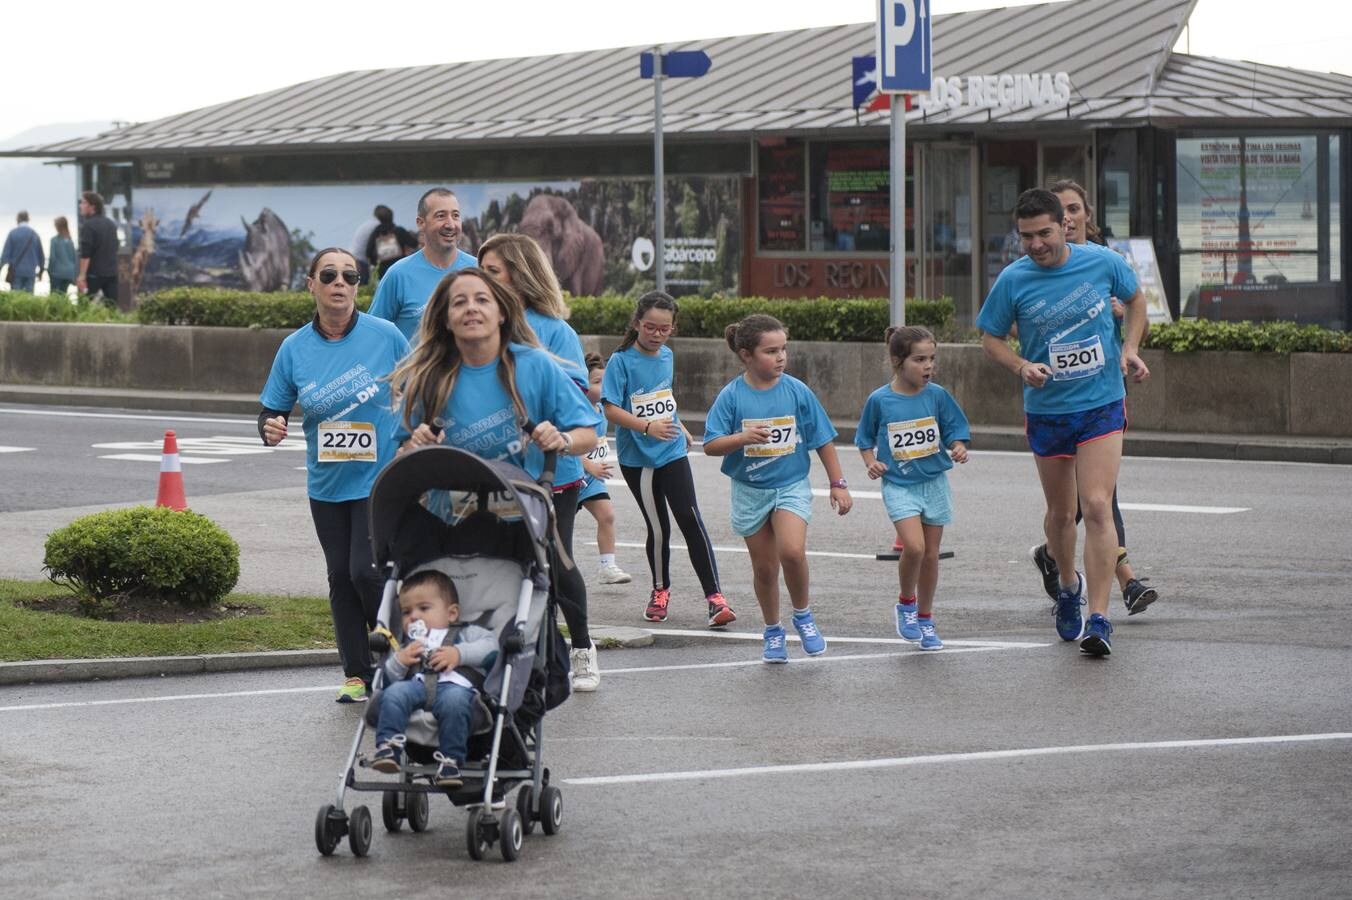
1253	447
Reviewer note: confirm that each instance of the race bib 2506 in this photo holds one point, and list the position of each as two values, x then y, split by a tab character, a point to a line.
347	442
654	405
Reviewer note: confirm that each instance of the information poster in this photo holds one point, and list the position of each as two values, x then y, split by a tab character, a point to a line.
1140	255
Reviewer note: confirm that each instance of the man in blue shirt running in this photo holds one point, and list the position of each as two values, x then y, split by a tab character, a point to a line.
1060	297
404	290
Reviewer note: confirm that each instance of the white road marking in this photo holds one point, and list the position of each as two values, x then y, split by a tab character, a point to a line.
939	758
1169	507
146	457
16	449
810	660
123	701
856	495
218	445
144	418
643	546
753	636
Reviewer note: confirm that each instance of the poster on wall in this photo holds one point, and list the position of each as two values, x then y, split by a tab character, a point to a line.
598	232
1140	255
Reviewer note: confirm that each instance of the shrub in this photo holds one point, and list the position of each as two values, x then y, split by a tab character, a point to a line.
823	319
145	551
231	308
1261	337
20	306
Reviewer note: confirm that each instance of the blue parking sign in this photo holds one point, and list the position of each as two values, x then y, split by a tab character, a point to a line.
903	46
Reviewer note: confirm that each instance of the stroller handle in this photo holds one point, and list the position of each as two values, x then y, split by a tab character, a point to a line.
546	478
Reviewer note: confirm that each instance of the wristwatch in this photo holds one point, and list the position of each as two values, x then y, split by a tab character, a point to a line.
842	483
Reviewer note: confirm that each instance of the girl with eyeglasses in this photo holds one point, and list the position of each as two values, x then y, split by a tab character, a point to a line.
335	367
652	444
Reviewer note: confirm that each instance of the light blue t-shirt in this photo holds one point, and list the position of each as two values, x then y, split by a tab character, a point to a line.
633	377
479	416
1065	319
798	426
340	386
404	290
911	433
559	338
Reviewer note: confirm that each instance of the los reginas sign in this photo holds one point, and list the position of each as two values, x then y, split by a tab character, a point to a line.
1007	91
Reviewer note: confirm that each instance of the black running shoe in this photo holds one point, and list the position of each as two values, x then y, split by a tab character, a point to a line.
1138	596
1046	567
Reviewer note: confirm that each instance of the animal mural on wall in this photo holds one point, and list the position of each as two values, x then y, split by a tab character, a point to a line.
265	261
573	246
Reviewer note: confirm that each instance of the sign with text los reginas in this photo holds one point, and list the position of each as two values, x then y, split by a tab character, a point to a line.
1005	91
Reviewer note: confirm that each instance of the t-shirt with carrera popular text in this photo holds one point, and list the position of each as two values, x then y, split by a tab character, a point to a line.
798	425
404	290
1065	320
911	432
348	418
643	385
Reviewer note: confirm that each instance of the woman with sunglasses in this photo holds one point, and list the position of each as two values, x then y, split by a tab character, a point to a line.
335	367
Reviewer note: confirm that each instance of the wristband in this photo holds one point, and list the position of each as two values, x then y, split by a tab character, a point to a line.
568	448
647	425
840	483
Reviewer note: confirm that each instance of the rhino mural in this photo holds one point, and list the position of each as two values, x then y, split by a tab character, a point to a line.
265	261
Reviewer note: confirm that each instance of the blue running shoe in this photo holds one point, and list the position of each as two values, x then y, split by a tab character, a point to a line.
1070	611
775	651
806	626
1097	636
929	640
908	622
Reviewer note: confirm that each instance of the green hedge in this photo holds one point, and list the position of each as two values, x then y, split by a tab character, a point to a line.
143	551
823	319
1261	337
20	306
219	307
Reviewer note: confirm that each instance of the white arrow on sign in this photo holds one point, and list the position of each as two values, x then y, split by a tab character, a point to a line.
923	16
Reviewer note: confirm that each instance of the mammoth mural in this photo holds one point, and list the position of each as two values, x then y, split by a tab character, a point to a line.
265	260
573	246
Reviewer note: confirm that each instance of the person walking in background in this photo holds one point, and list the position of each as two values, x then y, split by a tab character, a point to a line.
403	293
98	250
23	255
62	261
358	247
387	242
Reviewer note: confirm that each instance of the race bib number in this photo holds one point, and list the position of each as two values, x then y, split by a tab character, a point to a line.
655	405
341	442
1080	359
783	437
913	439
600	452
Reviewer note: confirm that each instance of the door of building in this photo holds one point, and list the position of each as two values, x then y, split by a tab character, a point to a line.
948	231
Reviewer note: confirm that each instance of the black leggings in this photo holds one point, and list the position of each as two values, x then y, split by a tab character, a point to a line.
572	589
354	584
672	486
1117	520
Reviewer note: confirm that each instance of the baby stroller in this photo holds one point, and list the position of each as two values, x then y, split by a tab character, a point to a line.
489	527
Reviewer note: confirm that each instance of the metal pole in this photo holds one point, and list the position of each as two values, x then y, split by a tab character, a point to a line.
659	201
897	278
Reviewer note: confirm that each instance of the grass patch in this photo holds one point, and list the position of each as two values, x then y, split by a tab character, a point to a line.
250	623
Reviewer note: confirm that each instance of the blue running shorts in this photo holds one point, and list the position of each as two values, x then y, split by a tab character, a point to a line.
593	488
1057	435
931	500
751	505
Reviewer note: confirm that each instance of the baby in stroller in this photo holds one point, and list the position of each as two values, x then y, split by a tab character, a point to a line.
436	644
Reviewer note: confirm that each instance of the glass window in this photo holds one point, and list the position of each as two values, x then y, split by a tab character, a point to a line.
1257	227
851	197
782	181
1117	166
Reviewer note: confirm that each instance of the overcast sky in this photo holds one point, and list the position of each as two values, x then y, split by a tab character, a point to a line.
137	60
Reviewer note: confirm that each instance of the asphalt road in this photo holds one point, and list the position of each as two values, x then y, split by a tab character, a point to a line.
1208	756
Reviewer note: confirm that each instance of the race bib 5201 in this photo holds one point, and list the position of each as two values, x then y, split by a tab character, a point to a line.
1079	359
347	442
913	438
783	436
654	405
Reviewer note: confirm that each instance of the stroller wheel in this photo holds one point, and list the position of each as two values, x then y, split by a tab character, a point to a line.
551	809
390	813
359	831
525	805
416	808
329	827
477	834
510	835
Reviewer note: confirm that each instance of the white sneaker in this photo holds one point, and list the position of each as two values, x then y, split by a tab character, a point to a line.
586	672
613	574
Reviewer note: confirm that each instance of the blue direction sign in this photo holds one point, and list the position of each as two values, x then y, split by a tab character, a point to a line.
677	64
904	46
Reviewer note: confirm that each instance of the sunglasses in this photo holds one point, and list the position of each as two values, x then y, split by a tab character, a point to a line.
656	329
329	276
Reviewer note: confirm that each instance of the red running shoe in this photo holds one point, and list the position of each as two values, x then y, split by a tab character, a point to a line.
720	613
657	606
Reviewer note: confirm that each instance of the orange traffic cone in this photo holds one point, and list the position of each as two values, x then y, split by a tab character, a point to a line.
171	476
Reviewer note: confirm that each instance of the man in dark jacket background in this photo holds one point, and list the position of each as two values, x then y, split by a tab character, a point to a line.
98	250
